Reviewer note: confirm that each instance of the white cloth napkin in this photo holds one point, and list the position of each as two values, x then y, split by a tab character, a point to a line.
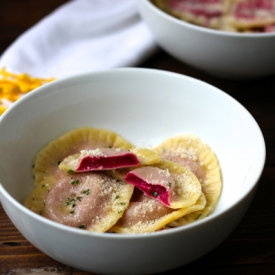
81	36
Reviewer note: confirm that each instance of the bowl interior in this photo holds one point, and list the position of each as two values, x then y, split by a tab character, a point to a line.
145	107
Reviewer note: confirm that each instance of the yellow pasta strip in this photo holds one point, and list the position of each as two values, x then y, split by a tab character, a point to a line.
13	86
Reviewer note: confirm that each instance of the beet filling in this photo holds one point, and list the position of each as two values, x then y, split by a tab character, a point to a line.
156	191
109	162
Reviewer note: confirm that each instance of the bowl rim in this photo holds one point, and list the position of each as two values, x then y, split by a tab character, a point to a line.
63	81
201	29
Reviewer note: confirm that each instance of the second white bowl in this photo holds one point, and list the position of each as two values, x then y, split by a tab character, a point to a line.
219	53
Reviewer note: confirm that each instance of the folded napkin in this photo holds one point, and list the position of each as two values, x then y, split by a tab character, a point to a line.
81	36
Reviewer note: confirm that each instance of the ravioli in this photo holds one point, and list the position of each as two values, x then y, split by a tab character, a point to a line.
168	182
207	13
99	159
92	201
249	15
226	15
95	180
108	198
191	152
48	159
108	159
146	215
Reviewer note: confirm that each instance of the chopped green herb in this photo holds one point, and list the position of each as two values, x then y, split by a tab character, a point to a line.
71	172
82	226
122	203
117	197
119	212
71	212
58	162
79	198
198	216
69	201
75	182
169	184
43	185
86	192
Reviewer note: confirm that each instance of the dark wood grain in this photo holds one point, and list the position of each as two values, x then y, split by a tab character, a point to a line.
250	249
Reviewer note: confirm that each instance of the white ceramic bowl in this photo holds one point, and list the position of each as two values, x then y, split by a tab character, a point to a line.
219	53
145	107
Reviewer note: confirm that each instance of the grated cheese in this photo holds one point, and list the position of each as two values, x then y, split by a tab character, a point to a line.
92	153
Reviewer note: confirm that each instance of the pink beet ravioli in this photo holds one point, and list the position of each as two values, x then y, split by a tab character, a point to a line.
154	182
206	8
101	159
106	159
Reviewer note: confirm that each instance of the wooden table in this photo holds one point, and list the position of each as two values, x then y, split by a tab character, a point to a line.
250	249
